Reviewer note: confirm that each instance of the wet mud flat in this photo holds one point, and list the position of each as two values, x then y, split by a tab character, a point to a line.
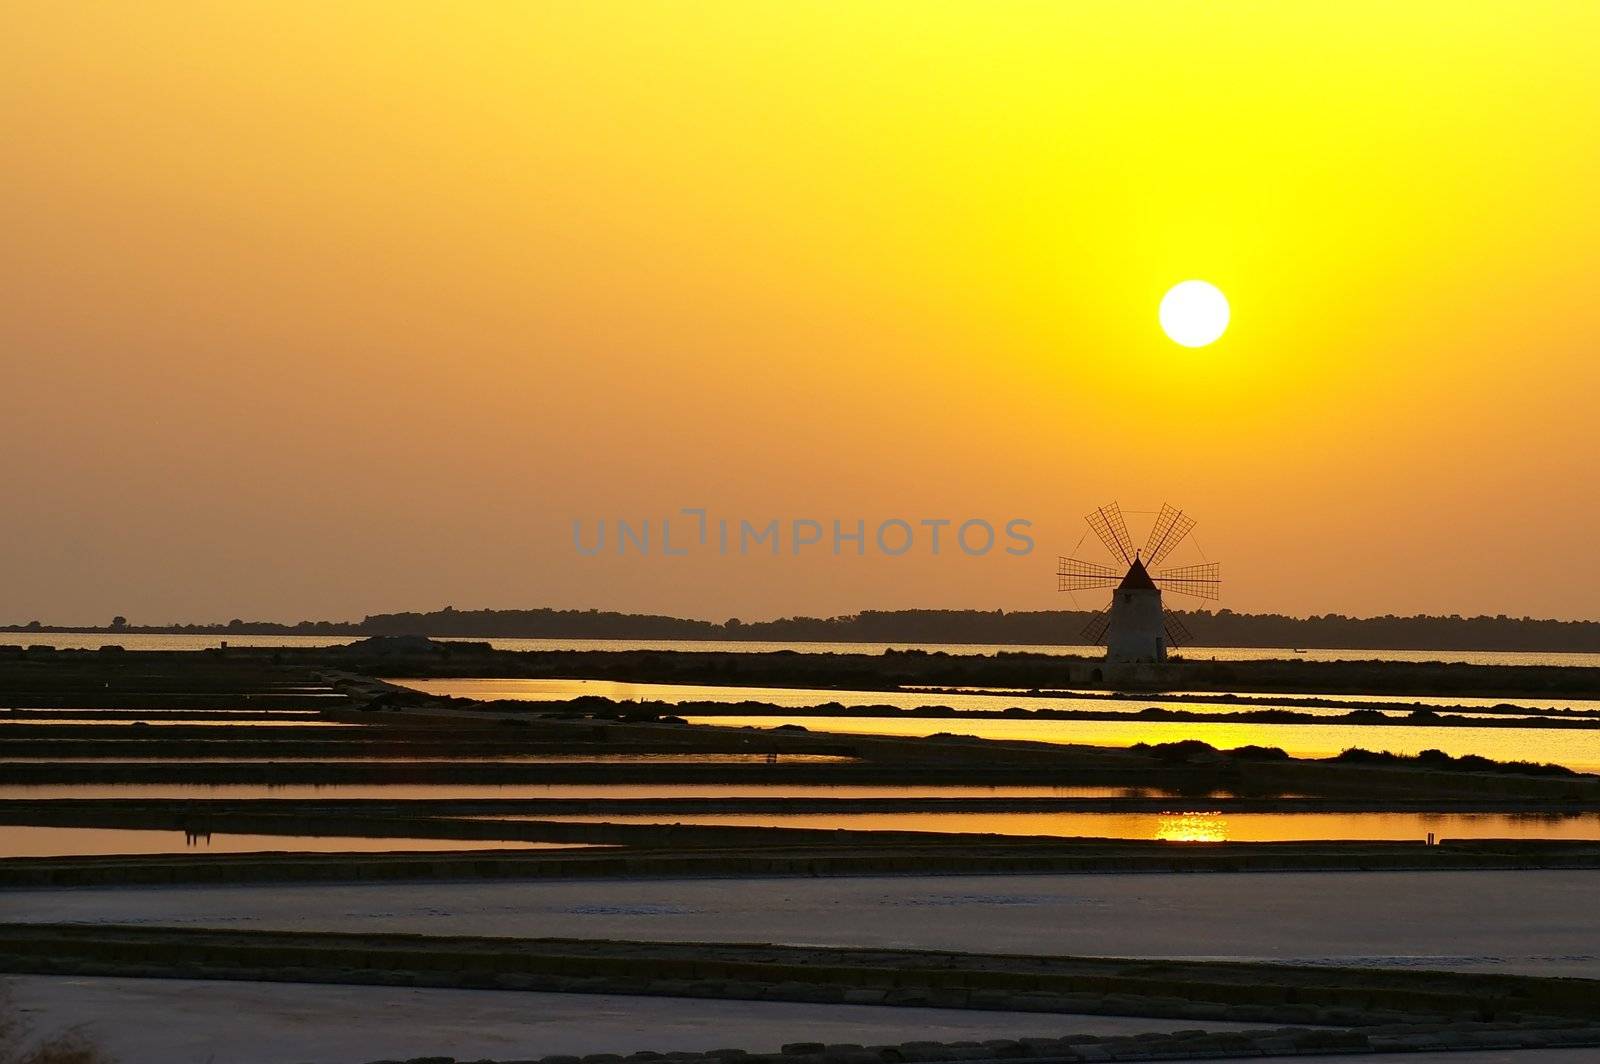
253	1022
1311	1010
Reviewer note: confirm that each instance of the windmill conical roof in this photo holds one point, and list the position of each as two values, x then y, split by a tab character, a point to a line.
1138	578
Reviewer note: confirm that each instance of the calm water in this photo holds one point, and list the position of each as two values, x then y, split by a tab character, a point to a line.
66	641
551	690
536	759
438	791
18	841
1188	825
73	641
1575	749
1405	702
114	714
167	718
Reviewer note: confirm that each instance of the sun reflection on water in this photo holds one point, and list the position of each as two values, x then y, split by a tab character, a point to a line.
1192	827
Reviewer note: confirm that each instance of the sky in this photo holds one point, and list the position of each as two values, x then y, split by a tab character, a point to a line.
324	310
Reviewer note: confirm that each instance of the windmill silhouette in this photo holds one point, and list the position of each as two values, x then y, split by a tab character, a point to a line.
1134	627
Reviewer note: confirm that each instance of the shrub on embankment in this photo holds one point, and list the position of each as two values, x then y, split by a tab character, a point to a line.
1441	760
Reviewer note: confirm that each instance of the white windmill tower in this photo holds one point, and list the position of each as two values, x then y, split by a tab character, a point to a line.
1134	627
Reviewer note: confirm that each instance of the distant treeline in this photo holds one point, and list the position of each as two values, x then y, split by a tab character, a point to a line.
1049	627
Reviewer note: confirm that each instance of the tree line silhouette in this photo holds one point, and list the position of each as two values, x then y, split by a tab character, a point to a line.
1043	628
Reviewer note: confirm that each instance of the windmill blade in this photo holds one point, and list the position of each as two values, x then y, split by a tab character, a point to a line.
1095	630
1074	574
1178	634
1171	526
1108	524
1200	581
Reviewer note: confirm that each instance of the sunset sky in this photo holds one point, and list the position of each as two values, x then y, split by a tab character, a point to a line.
316	310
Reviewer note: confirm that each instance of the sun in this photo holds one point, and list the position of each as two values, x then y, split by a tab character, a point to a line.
1194	313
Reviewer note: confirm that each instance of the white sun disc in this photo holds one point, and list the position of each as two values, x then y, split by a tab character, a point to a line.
1194	313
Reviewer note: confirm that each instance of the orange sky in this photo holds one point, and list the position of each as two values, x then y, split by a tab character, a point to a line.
322	310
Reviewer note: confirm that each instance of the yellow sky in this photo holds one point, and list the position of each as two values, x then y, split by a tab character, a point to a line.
326	309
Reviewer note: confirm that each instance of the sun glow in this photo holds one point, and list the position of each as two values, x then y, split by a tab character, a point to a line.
1194	313
1192	827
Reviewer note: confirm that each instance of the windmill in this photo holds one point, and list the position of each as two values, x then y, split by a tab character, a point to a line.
1133	627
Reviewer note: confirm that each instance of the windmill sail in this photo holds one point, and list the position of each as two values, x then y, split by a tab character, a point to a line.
1171	527
1108	524
1075	574
1178	634
1200	581
1095	630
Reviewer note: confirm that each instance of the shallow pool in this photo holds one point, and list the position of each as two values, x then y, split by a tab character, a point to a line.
30	841
1575	748
1181	824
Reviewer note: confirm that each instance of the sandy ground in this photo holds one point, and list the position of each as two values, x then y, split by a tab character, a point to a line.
1535	922
175	1021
